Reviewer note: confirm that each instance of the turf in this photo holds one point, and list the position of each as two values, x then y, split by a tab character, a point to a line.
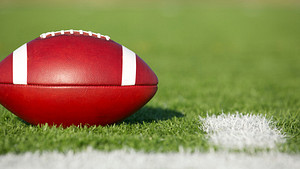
209	58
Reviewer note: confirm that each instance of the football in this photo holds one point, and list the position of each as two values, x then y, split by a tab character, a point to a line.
74	77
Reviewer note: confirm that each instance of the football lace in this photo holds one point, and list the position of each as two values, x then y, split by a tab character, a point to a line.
71	31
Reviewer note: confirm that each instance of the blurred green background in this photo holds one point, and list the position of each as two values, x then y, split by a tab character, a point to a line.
209	57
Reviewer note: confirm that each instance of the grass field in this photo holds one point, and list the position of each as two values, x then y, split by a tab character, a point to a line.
209	58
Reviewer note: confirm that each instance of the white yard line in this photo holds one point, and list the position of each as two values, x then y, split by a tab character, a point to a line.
122	159
240	131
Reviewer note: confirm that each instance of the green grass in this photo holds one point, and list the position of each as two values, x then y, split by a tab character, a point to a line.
208	58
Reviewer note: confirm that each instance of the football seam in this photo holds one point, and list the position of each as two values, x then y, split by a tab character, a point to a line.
65	85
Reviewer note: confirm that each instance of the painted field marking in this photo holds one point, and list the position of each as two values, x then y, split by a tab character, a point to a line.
131	159
239	131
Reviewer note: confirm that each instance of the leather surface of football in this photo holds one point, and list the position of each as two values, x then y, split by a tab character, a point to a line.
74	77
